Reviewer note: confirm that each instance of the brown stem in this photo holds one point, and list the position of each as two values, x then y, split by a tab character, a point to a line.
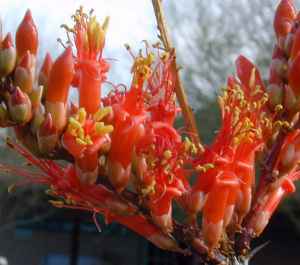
179	88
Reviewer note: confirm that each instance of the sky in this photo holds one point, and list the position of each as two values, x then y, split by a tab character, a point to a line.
131	21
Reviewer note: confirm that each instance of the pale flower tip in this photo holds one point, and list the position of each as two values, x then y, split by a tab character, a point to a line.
7	41
105	24
28	16
19	106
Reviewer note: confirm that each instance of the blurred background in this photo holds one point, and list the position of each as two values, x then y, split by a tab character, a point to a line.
208	35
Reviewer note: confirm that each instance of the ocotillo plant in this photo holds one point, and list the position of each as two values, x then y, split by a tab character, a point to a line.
124	157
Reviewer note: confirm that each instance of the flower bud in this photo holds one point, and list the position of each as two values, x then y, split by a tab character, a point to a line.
288	43
58	112
7	56
118	175
284	16
275	94
289	98
87	168
294	77
296	45
23	76
36	97
45	72
270	204
26	36
47	135
279	66
19	106
60	77
38	118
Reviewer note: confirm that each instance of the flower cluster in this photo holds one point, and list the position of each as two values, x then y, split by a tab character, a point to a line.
125	158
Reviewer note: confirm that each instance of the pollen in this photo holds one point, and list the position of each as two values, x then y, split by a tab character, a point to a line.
278	108
167	154
103	129
142	66
77	126
189	146
101	113
205	167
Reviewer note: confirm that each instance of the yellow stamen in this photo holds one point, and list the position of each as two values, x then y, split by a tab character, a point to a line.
74	123
80	141
81	115
101	113
101	129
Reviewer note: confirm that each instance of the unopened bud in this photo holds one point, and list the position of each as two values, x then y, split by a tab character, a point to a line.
38	118
47	135
295	45
45	72
280	67
288	44
275	94
58	112
23	76
289	99
288	155
118	175
26	36
36	97
7	56
19	106
284	16
60	78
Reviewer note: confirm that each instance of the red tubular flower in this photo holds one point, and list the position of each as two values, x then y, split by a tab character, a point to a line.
283	20
27	36
129	125
161	208
84	137
91	68
230	159
160	178
65	188
245	169
59	82
91	78
270	202
127	132
215	207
